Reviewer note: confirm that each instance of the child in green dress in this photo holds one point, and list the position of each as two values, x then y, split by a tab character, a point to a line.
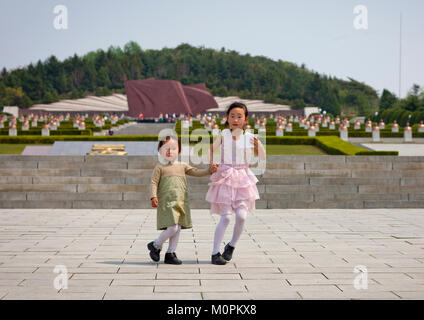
169	194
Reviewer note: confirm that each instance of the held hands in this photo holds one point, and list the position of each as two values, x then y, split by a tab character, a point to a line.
213	168
154	202
258	148
255	143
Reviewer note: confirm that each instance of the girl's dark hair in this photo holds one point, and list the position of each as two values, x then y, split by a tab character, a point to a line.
237	105
166	139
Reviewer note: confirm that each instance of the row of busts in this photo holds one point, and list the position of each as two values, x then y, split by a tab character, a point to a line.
99	121
310	125
395	126
59	118
45	131
30	120
79	123
50	123
262	118
114	119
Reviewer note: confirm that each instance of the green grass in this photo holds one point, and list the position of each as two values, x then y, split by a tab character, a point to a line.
6	148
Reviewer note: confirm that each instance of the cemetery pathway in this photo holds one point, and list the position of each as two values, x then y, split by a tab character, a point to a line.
282	254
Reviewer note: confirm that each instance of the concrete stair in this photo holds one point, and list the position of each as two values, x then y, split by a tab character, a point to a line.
289	182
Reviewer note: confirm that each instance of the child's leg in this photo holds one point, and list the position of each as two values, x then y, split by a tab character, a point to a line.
219	233
173	241
165	235
241	214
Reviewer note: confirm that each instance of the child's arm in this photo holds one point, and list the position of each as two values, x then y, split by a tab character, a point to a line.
154	186
195	172
215	145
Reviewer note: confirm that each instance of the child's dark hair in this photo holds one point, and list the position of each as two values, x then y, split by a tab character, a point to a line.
166	139
236	105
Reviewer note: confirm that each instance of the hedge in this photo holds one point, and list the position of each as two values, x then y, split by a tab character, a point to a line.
330	144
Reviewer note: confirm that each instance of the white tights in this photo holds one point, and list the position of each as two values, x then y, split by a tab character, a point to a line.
173	234
241	214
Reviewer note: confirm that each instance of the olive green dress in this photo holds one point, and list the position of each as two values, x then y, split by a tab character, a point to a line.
169	185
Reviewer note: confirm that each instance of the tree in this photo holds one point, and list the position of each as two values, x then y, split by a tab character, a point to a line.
132	48
387	100
227	71
14	97
415	90
90	74
102	78
298	104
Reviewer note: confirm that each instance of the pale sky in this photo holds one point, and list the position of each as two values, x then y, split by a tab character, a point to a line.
320	34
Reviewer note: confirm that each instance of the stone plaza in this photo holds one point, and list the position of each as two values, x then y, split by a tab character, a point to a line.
283	254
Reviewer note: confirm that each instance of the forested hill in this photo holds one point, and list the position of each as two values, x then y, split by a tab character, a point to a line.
224	72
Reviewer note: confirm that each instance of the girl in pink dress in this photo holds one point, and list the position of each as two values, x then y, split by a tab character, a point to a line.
233	187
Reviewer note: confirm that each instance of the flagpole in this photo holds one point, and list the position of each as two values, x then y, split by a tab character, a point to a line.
400	55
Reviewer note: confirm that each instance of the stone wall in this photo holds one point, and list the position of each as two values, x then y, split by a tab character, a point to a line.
289	182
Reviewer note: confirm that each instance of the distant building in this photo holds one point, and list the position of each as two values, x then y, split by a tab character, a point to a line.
309	110
12	110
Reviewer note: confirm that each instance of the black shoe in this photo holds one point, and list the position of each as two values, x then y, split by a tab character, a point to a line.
154	253
228	252
171	258
218	259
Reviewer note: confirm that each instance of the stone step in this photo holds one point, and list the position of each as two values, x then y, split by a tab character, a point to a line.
61	180
74	188
202	204
72	204
276	173
40	172
145	196
293	189
390	189
76	165
349	165
204	181
290	204
353	181
360	196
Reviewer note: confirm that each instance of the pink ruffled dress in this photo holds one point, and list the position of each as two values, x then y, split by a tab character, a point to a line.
234	184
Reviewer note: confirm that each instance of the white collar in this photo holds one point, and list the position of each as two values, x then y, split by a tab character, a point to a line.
166	162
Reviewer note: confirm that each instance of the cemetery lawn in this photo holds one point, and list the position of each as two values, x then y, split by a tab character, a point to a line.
13	148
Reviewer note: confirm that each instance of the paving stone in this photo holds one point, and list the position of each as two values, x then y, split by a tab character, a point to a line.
298	254
410	295
153	296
